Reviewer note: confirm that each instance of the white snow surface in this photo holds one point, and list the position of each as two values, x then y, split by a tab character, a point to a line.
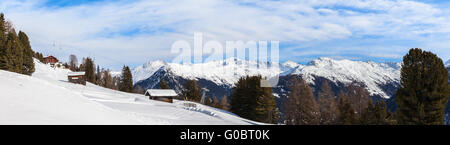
47	98
447	64
161	92
345	71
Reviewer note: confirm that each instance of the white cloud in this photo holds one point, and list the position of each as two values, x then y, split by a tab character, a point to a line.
99	29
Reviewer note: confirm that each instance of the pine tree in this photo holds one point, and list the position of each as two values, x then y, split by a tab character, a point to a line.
423	92
41	58
251	101
89	68
126	80
163	84
28	63
192	91
3	39
267	109
14	52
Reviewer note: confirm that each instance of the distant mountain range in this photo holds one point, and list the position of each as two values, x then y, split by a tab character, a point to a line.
211	75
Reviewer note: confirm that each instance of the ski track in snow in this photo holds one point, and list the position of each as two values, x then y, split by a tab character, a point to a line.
47	98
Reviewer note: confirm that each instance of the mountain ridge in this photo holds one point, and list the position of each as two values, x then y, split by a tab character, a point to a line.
373	75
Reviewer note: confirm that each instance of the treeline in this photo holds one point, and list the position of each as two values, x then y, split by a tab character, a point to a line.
421	98
16	54
353	107
192	91
102	77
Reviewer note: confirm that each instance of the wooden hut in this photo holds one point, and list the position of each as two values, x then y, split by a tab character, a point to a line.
77	77
165	95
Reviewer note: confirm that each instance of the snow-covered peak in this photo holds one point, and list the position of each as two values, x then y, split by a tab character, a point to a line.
346	71
447	64
290	64
221	72
146	70
228	71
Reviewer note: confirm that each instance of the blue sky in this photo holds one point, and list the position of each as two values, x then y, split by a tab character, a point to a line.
126	32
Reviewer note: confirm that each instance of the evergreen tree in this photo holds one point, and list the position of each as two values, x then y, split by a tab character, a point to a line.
16	54
89	68
250	100
41	57
423	92
267	109
28	63
163	84
192	91
3	38
126	80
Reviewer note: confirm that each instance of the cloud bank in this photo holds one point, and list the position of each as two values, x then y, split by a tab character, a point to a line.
123	32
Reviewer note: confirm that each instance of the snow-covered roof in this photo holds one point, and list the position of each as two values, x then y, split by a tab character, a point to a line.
75	73
161	92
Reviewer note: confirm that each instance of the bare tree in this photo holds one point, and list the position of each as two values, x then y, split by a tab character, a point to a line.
73	62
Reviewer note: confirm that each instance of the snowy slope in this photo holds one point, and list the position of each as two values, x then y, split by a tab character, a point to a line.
47	98
343	71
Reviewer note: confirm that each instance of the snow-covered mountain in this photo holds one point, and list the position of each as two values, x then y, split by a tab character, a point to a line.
371	74
47	97
223	72
227	72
